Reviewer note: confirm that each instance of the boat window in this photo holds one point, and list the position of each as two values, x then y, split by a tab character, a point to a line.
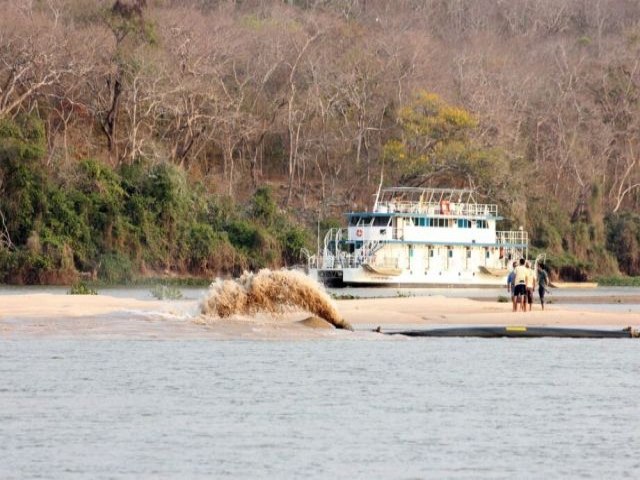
486	253
353	220
438	222
482	224
450	252
380	221
464	223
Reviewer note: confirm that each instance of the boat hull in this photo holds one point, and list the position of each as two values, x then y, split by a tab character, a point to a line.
366	278
329	277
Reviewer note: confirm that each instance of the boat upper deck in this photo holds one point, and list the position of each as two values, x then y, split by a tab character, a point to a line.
432	201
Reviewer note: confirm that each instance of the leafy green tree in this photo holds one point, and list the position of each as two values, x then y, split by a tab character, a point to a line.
623	239
263	207
434	137
437	147
22	197
436	141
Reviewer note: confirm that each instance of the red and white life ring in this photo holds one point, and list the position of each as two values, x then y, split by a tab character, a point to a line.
359	232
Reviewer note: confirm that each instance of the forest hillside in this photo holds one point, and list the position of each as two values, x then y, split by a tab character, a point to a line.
203	137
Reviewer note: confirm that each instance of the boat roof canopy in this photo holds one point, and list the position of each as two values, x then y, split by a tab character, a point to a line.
427	195
432	201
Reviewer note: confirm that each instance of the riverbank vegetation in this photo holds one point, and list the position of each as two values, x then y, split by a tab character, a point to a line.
93	221
147	138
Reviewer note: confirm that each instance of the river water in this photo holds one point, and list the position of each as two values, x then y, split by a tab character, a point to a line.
355	292
398	408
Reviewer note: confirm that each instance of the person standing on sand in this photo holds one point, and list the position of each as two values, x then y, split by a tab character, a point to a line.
531	285
521	278
511	284
543	281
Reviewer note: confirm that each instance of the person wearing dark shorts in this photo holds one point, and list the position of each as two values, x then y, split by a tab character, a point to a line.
543	281
521	280
520	292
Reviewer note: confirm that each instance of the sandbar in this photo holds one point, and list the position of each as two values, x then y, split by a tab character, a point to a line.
103	316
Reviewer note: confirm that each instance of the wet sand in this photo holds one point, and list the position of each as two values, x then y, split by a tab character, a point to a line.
102	316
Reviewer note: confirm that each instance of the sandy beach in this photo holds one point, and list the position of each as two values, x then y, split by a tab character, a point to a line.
108	317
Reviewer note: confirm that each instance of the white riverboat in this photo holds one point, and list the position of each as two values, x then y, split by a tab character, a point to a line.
420	237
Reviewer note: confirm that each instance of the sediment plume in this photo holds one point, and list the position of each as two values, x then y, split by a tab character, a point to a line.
271	292
316	323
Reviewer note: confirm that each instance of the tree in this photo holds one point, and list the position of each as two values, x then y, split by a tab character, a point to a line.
130	29
33	57
434	138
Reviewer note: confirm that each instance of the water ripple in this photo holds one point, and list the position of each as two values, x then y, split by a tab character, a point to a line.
436	408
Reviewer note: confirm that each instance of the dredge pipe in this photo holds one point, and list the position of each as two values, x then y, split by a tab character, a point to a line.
516	332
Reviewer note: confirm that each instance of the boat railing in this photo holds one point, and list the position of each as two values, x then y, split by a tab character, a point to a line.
311	260
441	208
345	260
327	261
332	241
333	255
513	237
371	247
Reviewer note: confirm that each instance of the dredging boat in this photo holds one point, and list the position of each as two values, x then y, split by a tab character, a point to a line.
419	237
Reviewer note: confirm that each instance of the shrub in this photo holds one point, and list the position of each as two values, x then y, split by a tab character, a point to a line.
81	288
166	292
115	268
243	234
263	207
200	242
623	240
619	281
166	188
293	240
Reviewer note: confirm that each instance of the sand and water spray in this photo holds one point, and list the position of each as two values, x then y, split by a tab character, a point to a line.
271	292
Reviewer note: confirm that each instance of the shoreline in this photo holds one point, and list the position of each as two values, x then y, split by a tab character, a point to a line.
555	299
103	316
